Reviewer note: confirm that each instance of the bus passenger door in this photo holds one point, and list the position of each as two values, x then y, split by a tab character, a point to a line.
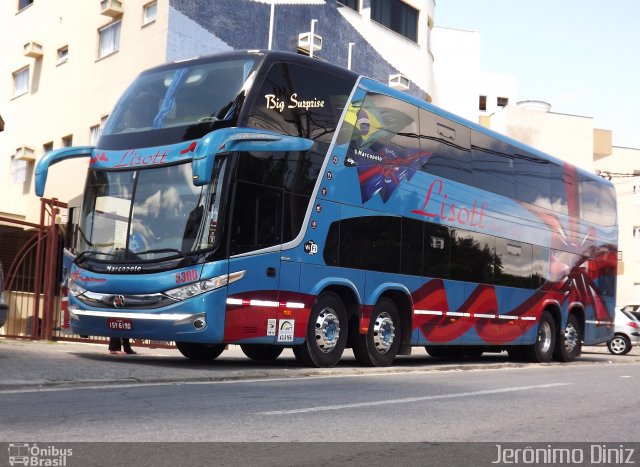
256	230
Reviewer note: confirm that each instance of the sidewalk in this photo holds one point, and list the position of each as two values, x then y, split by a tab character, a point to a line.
37	364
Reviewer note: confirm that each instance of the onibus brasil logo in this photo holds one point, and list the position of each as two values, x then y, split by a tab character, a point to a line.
33	455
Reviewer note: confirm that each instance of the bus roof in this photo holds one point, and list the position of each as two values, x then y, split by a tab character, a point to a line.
270	56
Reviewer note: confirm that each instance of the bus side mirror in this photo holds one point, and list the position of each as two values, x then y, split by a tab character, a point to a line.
240	139
53	157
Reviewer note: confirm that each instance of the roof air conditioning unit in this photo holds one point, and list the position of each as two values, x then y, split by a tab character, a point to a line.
25	153
305	43
111	8
399	81
32	49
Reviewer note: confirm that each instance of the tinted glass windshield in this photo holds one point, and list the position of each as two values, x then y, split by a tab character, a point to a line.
201	94
149	214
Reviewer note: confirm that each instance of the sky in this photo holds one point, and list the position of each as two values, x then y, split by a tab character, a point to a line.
581	56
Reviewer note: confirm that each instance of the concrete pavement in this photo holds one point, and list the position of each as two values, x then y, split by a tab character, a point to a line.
28	364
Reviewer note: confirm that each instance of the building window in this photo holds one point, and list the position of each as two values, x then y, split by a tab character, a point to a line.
149	13
397	16
109	39
353	4
47	147
94	134
67	141
63	54
636	232
483	103
22	4
18	171
502	101
21	82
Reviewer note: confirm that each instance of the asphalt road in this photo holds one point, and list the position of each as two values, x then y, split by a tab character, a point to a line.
159	397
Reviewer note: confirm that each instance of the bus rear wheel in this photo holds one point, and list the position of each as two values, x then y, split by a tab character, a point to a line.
326	333
569	345
542	350
379	346
200	352
262	353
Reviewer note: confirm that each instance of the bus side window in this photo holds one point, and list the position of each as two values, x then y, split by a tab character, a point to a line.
513	263
492	163
257	218
540	266
386	132
597	202
559	189
371	243
445	147
533	179
472	256
412	244
437	251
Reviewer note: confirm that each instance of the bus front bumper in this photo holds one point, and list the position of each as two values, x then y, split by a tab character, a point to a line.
183	327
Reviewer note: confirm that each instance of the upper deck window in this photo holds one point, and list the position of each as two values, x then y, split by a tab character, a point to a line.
397	16
298	100
188	96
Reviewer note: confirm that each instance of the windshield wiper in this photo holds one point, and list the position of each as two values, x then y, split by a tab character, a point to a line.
160	250
79	256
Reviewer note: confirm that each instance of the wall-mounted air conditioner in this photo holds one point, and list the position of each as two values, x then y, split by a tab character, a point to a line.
111	8
305	43
32	49
25	153
399	81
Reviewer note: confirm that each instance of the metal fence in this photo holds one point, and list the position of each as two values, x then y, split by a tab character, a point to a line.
31	255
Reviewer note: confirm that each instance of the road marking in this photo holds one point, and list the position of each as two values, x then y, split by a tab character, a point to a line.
410	399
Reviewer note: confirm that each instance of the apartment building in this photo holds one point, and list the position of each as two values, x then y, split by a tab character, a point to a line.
65	63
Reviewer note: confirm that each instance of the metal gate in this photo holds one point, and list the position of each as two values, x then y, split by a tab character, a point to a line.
31	289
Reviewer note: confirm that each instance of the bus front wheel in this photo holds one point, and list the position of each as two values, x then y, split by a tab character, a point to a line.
326	333
379	346
200	352
262	353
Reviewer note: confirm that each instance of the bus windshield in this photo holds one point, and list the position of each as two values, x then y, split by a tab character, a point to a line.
149	214
182	96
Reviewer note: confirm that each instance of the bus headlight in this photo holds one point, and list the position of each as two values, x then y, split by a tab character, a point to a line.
74	288
197	288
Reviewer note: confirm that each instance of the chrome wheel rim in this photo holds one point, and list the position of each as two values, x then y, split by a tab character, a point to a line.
544	337
618	345
570	338
384	332
327	330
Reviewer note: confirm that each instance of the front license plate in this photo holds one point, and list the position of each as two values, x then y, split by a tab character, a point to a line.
119	324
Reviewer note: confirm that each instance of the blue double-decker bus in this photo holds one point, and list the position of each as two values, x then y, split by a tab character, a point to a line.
271	200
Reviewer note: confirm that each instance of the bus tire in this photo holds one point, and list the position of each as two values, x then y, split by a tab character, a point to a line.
569	345
261	353
380	345
542	350
200	352
326	333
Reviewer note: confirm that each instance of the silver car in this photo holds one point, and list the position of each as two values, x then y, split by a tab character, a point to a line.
627	332
3	306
